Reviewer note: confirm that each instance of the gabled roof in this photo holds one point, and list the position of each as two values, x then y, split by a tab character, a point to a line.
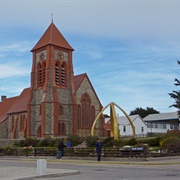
5	106
125	121
162	116
20	105
52	36
78	80
122	120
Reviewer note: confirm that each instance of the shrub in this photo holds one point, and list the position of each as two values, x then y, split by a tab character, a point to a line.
117	143
143	140
45	142
154	141
74	139
27	142
91	140
132	142
108	142
171	143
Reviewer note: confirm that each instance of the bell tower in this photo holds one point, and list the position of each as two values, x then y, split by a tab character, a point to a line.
52	103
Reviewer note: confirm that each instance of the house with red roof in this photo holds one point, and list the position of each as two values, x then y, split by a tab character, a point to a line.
57	103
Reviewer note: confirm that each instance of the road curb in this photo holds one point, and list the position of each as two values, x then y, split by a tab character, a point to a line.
53	175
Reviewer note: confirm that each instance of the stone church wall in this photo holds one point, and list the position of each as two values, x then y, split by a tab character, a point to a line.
4	129
86	87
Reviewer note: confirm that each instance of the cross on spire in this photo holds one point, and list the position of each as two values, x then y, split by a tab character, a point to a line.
52	17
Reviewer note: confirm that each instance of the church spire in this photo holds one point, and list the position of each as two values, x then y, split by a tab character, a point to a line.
52	36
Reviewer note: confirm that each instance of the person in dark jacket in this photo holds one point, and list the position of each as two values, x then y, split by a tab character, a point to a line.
60	150
99	145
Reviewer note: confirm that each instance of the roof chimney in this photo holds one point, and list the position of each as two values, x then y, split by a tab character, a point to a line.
3	98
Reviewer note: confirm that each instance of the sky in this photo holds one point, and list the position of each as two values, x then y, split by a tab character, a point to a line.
128	48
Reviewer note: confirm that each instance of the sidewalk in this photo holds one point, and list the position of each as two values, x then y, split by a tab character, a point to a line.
29	173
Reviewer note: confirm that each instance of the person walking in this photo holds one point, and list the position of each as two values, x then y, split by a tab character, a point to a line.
99	145
60	150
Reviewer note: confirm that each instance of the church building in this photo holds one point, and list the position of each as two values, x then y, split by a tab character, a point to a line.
57	103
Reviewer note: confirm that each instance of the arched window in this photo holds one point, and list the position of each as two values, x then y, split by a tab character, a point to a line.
92	115
39	132
87	113
6	135
85	102
63	75
79	116
21	123
24	125
83	112
40	109
57	73
12	123
41	74
61	110
61	129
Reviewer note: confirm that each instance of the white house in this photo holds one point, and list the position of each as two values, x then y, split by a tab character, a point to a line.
161	123
125	127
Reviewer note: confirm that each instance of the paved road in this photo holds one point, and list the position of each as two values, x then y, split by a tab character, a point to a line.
111	171
164	169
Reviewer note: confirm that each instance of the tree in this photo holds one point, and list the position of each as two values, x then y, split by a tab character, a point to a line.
144	112
176	94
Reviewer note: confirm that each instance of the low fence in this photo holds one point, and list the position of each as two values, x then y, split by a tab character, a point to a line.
89	152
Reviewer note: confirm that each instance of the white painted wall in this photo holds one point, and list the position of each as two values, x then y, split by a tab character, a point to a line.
139	123
140	126
159	130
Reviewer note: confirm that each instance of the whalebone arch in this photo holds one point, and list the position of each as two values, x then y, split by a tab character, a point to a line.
113	121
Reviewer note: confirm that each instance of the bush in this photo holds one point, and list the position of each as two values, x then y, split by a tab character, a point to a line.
132	142
143	140
27	142
45	142
171	143
74	139
91	141
108	142
154	141
117	143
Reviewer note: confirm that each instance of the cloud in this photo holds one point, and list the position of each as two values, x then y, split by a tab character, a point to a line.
89	50
13	89
13	59
15	47
118	19
128	48
13	69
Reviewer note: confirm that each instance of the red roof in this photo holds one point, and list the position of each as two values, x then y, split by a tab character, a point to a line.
52	36
20	105
78	80
5	106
